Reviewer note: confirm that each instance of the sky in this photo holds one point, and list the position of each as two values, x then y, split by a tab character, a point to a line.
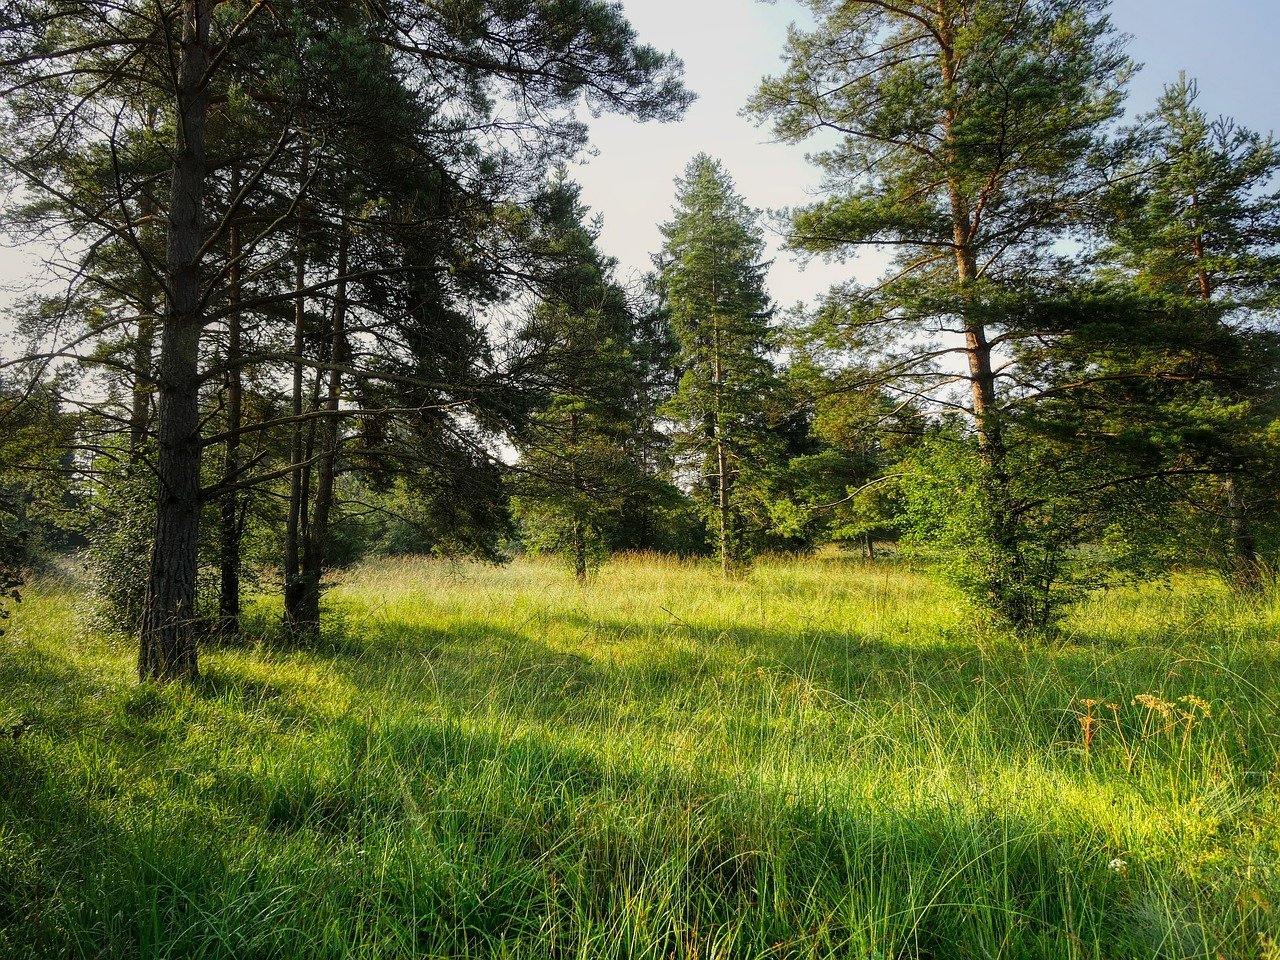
728	45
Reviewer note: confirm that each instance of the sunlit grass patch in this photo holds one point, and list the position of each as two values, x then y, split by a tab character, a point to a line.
819	759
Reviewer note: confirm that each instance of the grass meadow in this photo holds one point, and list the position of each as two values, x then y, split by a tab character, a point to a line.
822	759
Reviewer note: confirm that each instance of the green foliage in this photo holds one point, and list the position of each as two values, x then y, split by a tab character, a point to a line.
950	522
1067	510
120	528
839	485
969	140
712	281
1194	233
577	467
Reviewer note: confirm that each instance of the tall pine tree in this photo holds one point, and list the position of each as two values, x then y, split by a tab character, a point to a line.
964	134
576	472
713	281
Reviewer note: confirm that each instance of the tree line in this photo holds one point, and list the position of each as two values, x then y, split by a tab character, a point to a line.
320	286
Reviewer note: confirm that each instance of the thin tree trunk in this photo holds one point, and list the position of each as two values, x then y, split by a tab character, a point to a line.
229	518
293	519
722	458
575	483
315	539
143	380
579	552
722	464
167	648
144	344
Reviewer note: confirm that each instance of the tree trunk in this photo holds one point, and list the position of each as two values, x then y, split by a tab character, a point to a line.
297	504
579	552
167	649
230	513
144	344
722	458
315	540
1247	572
1005	581
722	465
140	406
575	482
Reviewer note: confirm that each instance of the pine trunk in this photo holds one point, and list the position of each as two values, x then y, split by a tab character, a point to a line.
140	407
1005	591
293	588
722	458
167	649
1246	562
579	552
315	542
230	512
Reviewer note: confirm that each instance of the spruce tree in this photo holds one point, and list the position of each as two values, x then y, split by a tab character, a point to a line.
713	281
1195	226
576	471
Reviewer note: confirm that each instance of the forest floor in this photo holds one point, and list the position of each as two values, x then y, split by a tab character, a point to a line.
823	759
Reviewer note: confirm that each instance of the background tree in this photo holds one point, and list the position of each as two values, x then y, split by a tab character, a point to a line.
840	485
713	282
576	468
1196	228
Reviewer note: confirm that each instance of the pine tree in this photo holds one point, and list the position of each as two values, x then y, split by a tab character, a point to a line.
966	132
713	282
576	471
1196	226
501	81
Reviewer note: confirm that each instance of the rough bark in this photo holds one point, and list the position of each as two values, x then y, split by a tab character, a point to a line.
168	640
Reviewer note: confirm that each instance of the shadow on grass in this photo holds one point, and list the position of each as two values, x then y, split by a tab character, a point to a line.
403	836
414	811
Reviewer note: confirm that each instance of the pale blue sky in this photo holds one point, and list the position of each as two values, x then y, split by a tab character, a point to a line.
728	45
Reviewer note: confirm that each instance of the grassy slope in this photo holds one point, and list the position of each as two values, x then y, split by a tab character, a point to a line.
822	760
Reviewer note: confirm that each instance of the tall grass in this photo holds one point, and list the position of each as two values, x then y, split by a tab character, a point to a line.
823	759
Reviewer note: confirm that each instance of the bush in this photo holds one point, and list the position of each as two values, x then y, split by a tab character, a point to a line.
1023	549
120	529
